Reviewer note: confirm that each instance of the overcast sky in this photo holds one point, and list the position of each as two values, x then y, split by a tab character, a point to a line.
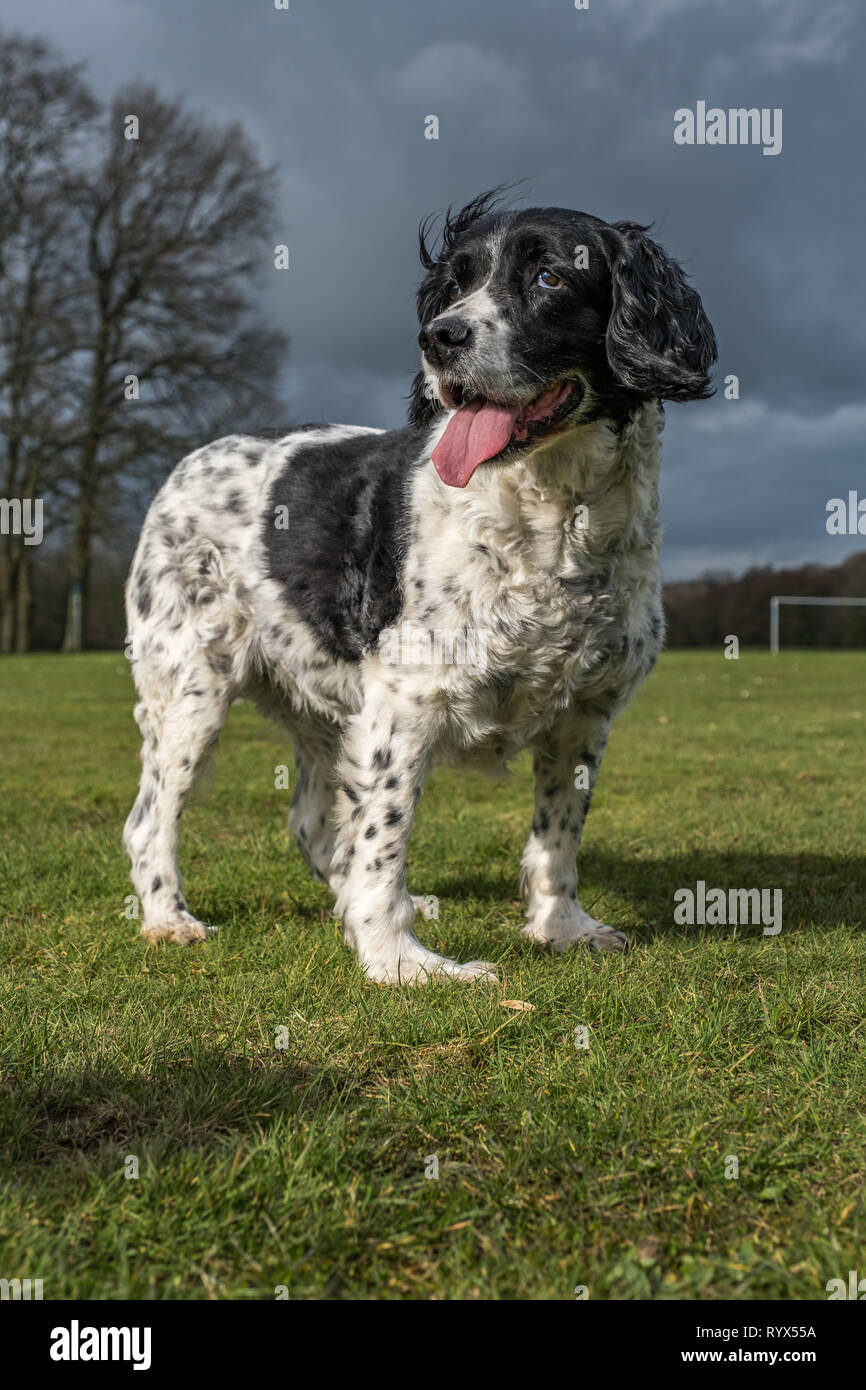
581	104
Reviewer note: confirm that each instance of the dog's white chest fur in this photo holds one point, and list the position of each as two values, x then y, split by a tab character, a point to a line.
540	583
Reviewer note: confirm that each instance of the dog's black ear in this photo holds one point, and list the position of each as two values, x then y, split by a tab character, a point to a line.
422	407
659	340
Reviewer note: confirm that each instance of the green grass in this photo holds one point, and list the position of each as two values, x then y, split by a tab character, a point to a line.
305	1166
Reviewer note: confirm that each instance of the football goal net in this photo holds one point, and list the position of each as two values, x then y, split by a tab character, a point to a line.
779	599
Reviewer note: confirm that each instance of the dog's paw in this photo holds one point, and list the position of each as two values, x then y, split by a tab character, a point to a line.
407	962
565	927
183	929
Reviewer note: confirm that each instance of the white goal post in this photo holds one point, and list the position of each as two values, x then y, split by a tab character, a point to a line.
785	598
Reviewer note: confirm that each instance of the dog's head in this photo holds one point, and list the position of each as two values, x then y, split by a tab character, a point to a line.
534	322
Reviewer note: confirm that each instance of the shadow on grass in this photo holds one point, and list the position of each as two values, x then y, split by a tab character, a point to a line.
214	1099
818	890
211	1100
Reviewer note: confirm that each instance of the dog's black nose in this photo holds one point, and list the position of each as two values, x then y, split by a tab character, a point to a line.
444	338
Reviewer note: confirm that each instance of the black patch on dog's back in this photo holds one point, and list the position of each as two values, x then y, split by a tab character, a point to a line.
340	560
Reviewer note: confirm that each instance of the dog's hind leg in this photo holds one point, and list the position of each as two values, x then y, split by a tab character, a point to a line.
190	653
180	721
312	816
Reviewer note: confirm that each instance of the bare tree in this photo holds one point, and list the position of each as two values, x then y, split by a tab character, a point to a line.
173	346
45	113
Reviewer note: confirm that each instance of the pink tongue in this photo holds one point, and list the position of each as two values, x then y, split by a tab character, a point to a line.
475	433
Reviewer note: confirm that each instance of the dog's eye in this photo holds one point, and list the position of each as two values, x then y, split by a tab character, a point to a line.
549	281
453	291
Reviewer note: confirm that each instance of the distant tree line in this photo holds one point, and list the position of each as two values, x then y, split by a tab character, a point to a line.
703	612
133	238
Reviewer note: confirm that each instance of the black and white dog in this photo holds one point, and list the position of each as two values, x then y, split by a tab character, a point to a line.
482	581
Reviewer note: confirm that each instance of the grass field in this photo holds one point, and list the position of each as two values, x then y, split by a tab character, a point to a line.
304	1166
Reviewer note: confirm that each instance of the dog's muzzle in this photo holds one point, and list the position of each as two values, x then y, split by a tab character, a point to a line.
444	339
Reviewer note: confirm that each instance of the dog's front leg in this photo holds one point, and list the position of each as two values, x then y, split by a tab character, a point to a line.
566	762
385	757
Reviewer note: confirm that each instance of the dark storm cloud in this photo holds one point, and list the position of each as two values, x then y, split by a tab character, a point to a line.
581	104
